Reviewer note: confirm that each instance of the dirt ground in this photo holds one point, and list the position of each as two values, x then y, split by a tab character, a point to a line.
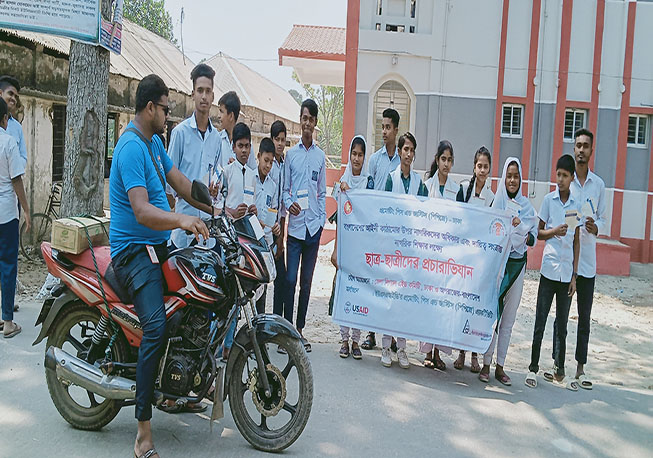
620	340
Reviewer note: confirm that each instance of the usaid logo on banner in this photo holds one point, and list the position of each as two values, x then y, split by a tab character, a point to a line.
356	309
497	228
348	208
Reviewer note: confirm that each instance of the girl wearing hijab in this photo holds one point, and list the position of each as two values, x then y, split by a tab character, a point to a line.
525	224
476	191
440	186
355	177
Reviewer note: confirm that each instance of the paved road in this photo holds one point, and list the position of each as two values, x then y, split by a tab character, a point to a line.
360	408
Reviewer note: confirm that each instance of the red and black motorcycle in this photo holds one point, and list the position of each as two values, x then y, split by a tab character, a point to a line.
92	343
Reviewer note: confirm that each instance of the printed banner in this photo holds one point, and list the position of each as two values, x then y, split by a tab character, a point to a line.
424	269
76	19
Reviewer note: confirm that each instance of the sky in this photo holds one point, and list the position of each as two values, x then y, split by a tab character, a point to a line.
250	30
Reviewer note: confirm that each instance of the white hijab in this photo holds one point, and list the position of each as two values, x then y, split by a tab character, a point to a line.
527	214
356	181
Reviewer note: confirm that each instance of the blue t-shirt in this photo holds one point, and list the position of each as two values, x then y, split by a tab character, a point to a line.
132	167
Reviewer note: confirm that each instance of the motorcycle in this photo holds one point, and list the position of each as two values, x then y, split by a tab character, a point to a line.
93	334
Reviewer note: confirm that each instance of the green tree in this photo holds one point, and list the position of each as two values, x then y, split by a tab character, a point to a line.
331	102
152	15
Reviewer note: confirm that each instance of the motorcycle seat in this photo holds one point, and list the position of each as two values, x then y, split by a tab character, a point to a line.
116	286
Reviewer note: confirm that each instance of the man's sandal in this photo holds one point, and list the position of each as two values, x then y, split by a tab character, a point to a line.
370	342
531	380
151	452
584	382
8	335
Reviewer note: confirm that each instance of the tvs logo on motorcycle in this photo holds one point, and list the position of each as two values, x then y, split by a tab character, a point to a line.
208	277
348	208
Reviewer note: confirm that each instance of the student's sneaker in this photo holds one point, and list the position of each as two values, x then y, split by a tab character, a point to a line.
385	357
403	359
393	355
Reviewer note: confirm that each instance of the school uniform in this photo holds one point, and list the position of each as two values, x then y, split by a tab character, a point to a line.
592	193
482	199
380	165
304	172
512	285
280	288
196	155
556	273
397	183
449	192
227	152
267	198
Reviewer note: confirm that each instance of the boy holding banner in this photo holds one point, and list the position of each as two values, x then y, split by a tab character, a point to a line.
559	226
267	202
403	181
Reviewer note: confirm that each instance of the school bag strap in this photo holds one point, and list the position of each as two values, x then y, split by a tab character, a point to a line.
154	163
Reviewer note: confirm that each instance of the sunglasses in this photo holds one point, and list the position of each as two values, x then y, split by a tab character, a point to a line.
166	108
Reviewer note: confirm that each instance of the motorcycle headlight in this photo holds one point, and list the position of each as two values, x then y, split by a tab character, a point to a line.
268	258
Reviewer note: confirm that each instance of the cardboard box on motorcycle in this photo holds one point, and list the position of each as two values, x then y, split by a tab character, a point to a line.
69	236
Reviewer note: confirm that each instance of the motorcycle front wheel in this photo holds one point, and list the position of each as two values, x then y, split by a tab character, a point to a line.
272	423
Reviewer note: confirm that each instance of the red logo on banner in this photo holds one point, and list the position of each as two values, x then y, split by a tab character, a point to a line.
348	208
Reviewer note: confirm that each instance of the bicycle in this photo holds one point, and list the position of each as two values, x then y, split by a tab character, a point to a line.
30	242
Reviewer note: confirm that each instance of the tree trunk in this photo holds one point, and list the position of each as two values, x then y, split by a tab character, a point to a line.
86	128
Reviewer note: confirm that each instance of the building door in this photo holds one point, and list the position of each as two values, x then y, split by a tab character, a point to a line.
391	94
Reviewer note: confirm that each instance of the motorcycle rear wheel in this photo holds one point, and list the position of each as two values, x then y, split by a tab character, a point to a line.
78	317
260	433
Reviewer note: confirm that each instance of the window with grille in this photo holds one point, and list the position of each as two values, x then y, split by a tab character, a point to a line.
574	120
391	94
511	125
58	140
637	130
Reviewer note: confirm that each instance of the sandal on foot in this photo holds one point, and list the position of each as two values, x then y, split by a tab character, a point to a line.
584	382
370	342
458	364
428	361
569	383
439	364
550	374
485	378
150	453
344	350
307	345
14	332
281	350
504	379
531	380
475	367
356	352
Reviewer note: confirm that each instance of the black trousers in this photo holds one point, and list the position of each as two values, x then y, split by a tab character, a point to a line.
584	299
545	292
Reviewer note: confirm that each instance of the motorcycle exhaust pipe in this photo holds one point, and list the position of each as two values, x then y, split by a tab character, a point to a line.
74	371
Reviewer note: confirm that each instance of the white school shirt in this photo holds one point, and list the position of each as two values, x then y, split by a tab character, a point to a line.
227	152
450	188
194	156
277	173
593	189
486	197
237	178
558	256
15	129
305	169
380	166
12	165
266	197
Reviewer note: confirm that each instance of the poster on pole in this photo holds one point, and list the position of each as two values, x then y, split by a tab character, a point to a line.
75	19
424	269
111	28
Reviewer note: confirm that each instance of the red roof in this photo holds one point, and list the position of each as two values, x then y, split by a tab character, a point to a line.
314	41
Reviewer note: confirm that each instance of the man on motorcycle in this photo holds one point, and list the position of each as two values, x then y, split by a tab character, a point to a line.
141	222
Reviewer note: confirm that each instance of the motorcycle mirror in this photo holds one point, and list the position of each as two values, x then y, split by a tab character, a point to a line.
200	192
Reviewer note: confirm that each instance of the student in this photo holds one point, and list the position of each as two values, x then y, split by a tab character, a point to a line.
228	112
589	190
9	89
195	147
440	186
240	182
278	134
381	163
558	226
402	181
304	195
355	177
267	202
12	169
525	223
476	191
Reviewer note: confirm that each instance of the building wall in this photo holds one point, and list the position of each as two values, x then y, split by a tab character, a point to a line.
451	64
